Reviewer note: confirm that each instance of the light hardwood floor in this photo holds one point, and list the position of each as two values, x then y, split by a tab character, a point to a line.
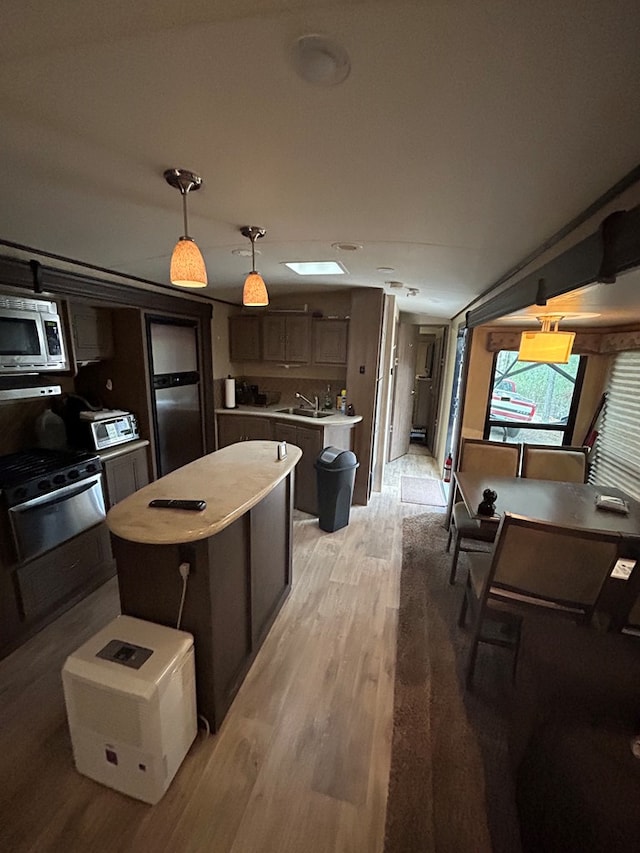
301	762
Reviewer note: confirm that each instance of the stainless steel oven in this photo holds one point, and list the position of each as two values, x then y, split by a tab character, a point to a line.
42	523
51	496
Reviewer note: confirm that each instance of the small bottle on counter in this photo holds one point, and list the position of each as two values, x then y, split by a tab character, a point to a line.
343	401
328	402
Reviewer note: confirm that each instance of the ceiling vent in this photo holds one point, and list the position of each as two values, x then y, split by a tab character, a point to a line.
347	247
320	61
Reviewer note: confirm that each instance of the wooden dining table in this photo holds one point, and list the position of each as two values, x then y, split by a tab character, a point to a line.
569	504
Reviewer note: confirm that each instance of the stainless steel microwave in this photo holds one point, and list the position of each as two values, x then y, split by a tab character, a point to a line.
31	339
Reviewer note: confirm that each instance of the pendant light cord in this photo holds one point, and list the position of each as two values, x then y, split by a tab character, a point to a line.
184	210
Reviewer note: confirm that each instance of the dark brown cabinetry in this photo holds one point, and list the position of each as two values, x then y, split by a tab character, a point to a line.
234	428
330	341
289	339
92	332
72	569
311	441
244	338
35	593
286	339
124	475
270	567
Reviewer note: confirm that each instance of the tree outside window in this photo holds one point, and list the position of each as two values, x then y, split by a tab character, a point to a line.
531	402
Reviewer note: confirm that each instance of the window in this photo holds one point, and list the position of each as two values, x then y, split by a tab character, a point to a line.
533	403
617	447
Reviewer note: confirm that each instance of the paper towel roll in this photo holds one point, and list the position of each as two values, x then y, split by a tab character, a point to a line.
230	393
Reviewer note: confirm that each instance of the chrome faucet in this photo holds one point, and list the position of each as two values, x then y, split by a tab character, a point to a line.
316	401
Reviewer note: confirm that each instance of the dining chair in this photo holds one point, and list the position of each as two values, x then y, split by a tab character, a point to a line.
534	564
628	620
632	625
478	456
545	462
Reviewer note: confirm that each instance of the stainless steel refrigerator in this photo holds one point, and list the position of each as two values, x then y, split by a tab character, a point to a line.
173	352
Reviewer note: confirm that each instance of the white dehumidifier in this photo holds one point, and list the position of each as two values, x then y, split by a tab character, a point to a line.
131	706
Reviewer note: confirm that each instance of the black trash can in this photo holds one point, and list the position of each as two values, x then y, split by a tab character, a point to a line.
336	472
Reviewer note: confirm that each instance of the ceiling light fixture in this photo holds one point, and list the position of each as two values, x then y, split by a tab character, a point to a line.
254	293
187	264
548	346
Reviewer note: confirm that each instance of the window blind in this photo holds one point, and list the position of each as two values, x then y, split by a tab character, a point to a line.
617	448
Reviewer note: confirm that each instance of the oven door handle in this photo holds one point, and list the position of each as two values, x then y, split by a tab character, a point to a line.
61	494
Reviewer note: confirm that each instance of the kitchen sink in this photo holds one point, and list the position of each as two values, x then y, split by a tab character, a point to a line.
305	413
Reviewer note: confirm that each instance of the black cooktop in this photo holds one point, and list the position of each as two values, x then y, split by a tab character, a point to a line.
28	473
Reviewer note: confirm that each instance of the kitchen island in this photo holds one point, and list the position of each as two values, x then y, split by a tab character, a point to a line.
238	552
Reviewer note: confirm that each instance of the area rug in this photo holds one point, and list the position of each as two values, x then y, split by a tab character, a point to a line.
421	490
449	785
469	771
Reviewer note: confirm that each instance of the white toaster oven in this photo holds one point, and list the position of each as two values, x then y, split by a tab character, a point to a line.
110	430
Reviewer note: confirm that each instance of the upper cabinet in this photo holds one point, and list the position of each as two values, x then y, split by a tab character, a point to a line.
244	337
92	332
330	341
286	338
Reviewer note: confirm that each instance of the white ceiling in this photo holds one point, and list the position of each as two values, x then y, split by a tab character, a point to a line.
465	135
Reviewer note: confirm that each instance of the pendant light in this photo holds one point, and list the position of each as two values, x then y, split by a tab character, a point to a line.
187	264
254	293
548	346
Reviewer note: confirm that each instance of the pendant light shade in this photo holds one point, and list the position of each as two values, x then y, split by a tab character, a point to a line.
254	293
187	264
549	346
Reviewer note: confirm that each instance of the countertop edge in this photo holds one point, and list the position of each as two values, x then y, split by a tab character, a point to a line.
177	527
120	449
336	419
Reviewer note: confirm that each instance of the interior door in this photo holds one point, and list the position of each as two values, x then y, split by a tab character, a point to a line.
403	381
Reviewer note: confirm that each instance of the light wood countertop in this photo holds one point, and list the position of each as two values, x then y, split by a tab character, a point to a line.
278	411
231	480
121	449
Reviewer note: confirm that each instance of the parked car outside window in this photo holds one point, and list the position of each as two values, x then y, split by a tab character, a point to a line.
531	402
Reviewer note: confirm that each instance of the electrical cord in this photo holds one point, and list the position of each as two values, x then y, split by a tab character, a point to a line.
205	722
184	569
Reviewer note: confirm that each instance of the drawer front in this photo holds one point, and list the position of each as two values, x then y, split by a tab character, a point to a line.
50	579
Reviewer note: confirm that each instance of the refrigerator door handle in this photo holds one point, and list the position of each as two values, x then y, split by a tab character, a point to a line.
173	380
